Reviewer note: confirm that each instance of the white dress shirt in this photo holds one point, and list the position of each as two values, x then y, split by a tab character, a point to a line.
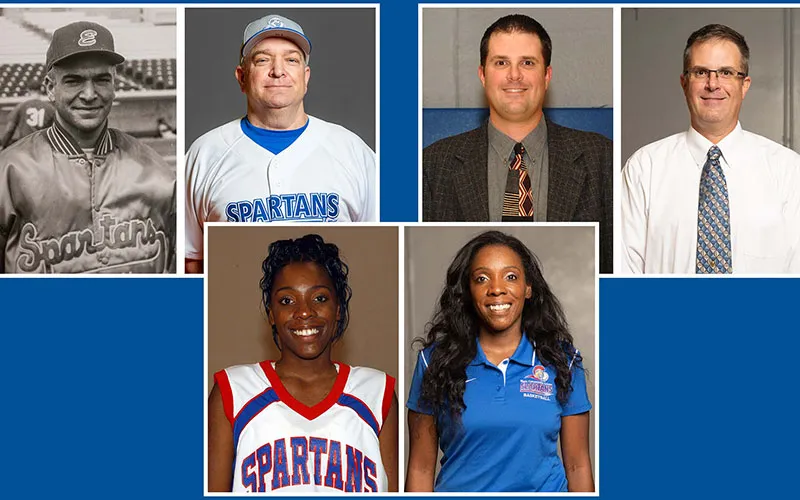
661	185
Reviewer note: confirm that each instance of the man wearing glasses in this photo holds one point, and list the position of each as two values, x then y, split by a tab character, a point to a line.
714	199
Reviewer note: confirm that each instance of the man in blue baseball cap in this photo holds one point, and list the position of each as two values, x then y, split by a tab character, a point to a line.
277	163
274	93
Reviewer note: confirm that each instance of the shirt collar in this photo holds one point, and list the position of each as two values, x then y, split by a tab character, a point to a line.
61	141
729	146
504	145
523	355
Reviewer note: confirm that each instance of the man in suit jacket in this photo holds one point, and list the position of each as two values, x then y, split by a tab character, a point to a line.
519	166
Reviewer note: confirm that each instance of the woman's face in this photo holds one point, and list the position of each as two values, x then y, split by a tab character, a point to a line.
498	288
304	309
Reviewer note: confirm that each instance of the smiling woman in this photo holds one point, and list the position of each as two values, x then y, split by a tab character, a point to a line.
498	381
267	419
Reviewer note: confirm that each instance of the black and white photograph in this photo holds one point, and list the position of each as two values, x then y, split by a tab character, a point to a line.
88	152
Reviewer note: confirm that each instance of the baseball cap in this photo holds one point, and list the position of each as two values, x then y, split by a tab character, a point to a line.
274	25
80	38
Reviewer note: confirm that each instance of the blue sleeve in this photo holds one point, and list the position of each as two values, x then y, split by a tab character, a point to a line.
578	401
414	392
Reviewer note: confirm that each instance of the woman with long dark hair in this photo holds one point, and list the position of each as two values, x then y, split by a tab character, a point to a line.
304	422
498	381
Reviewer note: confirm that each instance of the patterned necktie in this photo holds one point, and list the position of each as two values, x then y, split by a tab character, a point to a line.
713	219
519	203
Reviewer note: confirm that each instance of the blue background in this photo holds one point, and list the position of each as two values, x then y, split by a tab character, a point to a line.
103	388
438	123
103	378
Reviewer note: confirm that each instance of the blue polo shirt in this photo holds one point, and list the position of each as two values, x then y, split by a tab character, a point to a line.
510	427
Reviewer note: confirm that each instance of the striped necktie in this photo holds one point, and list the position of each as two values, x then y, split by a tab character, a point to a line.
519	203
713	219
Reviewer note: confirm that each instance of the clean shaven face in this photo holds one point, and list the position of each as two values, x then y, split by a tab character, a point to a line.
514	77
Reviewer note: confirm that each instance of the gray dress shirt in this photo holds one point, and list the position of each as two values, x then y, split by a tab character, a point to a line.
500	154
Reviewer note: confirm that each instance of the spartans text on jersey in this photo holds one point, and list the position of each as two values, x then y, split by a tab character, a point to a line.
323	461
106	237
313	207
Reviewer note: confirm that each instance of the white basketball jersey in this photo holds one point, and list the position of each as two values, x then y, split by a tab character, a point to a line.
326	175
281	444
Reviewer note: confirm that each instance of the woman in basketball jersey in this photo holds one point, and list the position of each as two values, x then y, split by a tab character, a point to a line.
498	381
303	422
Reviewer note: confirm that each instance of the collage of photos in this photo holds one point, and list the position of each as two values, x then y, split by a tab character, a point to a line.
256	149
303	354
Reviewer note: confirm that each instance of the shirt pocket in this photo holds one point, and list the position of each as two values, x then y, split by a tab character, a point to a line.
763	238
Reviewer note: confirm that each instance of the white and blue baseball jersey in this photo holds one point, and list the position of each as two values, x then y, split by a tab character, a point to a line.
508	434
282	444
327	175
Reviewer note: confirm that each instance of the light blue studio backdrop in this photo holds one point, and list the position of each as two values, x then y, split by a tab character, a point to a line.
440	123
103	395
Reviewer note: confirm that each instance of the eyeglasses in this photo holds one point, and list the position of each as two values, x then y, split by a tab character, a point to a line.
726	74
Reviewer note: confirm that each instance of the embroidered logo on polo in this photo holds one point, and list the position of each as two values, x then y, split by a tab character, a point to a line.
535	384
139	244
306	207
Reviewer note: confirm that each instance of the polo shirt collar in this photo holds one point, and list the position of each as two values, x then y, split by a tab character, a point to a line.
61	141
730	146
523	355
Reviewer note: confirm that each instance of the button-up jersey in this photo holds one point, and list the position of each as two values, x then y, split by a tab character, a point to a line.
326	175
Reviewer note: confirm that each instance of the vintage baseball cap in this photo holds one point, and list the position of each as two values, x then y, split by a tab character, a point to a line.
274	25
80	38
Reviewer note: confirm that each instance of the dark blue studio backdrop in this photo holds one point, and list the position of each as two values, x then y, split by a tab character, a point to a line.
103	394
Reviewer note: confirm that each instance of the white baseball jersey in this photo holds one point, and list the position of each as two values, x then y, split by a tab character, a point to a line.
326	175
282	444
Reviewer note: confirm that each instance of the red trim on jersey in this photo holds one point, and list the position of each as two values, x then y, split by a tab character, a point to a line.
309	412
388	392
224	385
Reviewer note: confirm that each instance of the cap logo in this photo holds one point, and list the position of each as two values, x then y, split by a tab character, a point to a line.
275	23
88	38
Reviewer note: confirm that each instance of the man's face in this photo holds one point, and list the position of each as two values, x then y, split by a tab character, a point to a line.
82	90
714	102
274	75
515	77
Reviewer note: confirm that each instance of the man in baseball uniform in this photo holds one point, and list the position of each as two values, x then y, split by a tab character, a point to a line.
32	114
277	163
79	197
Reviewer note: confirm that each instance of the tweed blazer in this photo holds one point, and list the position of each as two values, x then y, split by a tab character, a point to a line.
455	181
